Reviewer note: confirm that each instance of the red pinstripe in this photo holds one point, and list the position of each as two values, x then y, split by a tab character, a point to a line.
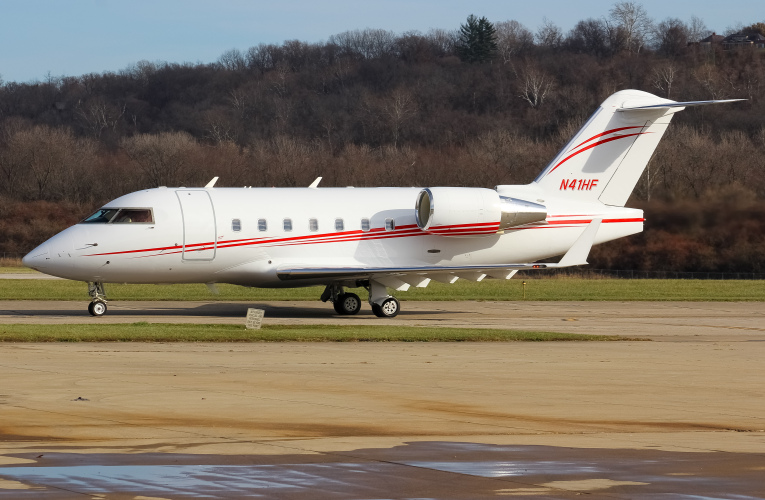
604	133
604	141
358	235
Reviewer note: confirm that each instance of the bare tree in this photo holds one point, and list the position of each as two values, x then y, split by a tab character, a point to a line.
590	37
633	19
549	34
46	163
233	60
162	158
671	37
218	127
368	43
99	115
280	80
710	81
734	28
443	40
398	107
663	78
534	85
13	158
697	29
512	38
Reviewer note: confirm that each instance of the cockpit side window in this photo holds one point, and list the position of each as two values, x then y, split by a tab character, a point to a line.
133	215
102	215
121	216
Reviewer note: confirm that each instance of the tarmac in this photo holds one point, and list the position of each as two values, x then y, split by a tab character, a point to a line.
680	416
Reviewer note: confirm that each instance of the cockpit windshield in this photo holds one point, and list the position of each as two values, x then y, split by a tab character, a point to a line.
121	216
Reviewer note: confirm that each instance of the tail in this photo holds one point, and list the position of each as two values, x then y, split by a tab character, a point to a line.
606	158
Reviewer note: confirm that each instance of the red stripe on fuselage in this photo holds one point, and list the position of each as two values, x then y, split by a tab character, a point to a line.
358	235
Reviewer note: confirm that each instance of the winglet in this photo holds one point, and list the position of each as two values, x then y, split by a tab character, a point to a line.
315	183
212	182
577	254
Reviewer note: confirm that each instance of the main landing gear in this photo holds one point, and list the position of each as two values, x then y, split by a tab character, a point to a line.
97	306
344	303
383	305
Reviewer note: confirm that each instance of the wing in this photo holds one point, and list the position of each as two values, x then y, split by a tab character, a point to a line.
401	278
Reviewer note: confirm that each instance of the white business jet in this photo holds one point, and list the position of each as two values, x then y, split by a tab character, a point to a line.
376	238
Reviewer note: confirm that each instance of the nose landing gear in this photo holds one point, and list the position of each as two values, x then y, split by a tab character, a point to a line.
97	306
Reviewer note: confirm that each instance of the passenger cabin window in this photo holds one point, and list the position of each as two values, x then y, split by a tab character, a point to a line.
365	225
339	225
313	225
121	216
236	225
262	225
288	224
390	224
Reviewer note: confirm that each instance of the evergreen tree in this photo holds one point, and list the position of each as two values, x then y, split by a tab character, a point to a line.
477	40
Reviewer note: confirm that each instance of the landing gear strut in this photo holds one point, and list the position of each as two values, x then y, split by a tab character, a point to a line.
97	306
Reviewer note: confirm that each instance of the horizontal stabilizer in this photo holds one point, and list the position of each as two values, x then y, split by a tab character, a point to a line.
671	104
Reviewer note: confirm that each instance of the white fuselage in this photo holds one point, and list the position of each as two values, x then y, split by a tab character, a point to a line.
212	235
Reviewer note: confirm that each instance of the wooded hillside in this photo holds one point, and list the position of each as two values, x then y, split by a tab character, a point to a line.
372	107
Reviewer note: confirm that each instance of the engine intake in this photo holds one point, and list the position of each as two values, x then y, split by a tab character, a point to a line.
472	211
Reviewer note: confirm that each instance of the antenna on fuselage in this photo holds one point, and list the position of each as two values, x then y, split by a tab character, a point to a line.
315	183
212	182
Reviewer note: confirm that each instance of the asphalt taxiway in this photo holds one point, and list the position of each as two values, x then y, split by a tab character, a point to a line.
682	416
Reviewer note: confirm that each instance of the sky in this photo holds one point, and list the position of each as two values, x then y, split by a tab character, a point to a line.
76	37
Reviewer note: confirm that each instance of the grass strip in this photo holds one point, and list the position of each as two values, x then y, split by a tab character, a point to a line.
17	270
164	332
572	289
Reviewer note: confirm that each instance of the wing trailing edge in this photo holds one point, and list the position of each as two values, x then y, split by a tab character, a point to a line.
401	278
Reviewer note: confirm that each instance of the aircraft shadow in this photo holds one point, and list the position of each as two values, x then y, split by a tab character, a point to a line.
209	310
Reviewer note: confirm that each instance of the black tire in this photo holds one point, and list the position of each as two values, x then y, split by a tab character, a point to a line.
351	303
97	308
338	304
378	312
347	304
390	308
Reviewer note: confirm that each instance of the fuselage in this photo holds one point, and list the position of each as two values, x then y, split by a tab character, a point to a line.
243	235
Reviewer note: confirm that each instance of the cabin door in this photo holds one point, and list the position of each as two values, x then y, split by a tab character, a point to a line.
199	241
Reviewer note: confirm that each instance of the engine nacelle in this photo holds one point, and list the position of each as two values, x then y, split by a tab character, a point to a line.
455	211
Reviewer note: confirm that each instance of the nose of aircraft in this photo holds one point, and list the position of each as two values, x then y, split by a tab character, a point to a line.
37	258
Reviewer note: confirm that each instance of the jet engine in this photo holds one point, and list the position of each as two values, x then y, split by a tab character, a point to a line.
454	211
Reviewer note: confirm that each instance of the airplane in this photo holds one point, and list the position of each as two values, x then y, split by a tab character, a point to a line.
375	238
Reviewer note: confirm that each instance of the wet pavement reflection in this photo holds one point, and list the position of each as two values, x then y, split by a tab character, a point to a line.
443	470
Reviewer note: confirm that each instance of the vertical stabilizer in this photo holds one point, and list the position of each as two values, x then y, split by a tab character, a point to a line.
607	156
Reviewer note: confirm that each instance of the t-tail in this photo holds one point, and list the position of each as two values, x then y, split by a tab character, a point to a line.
606	158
